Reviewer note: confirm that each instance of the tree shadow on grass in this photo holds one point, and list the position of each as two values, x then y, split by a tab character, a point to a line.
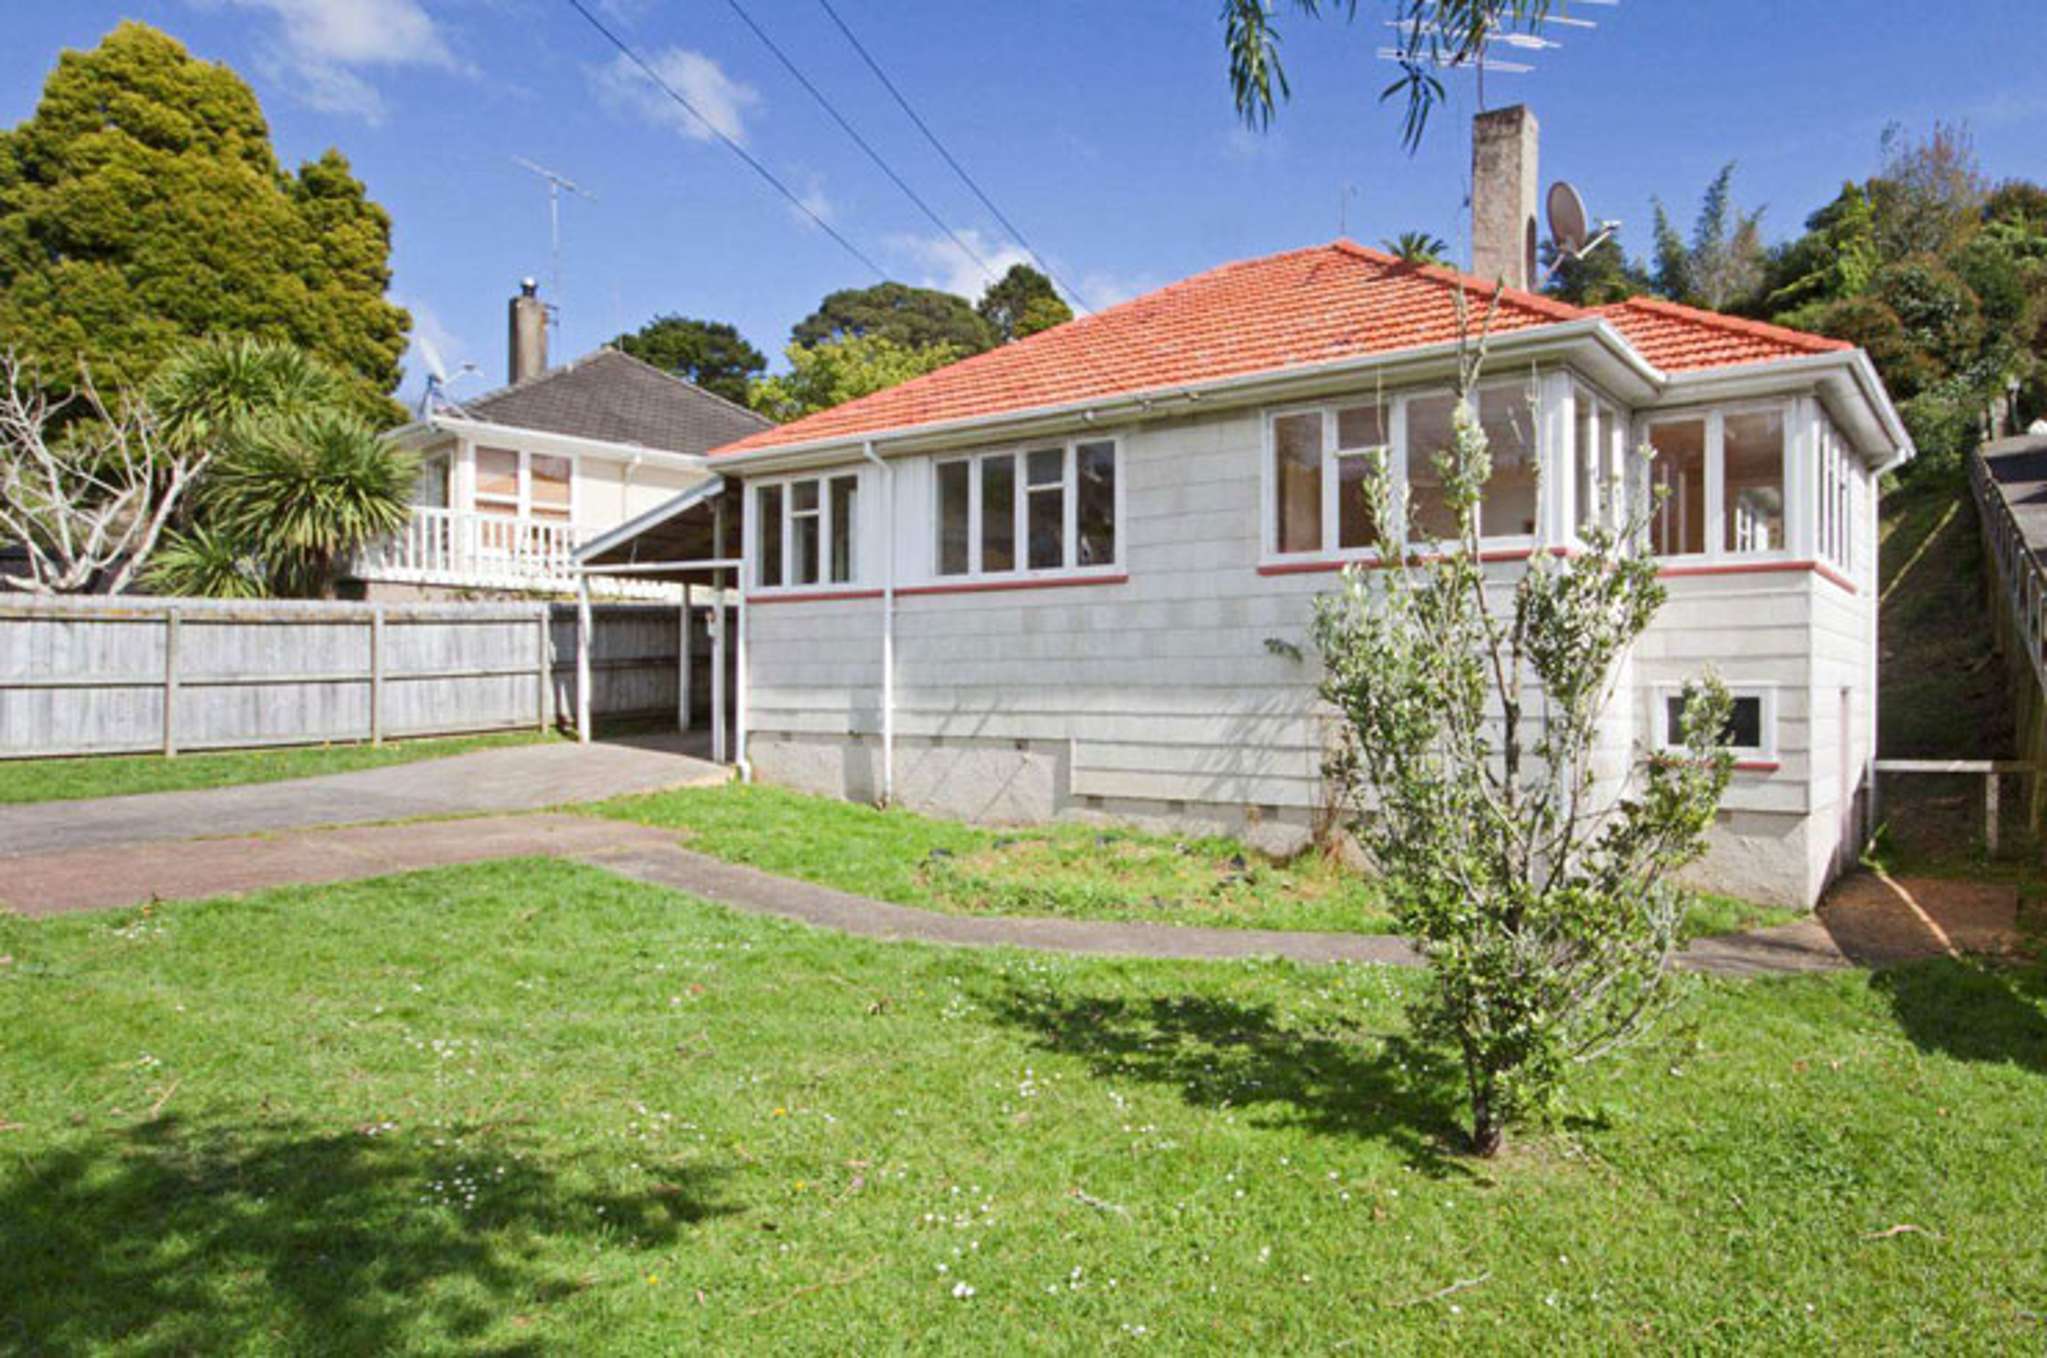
1972	1010
1222	1054
166	1237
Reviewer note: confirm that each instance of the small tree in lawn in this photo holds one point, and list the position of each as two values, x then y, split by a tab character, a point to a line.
1538	883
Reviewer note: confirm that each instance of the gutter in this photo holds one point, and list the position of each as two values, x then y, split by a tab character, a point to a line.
888	625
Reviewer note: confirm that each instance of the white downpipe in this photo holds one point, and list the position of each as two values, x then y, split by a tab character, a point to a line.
888	625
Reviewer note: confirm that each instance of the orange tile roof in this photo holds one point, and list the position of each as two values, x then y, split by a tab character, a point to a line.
1288	310
1677	338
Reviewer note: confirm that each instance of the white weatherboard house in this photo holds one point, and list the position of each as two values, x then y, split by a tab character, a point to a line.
514	481
1039	583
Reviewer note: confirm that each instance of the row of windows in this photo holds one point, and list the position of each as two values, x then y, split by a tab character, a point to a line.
1044	509
1717	484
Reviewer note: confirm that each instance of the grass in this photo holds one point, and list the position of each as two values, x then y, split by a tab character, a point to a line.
57	780
529	1107
1068	870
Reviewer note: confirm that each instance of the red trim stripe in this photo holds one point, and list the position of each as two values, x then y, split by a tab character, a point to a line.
1026	582
812	596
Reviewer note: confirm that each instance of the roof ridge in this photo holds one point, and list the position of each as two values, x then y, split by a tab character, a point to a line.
1445	273
1744	324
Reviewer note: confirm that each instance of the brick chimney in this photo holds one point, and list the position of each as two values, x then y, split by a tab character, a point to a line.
1504	189
528	333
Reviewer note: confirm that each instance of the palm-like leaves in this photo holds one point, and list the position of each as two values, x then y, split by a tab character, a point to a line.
216	390
301	491
1418	247
203	563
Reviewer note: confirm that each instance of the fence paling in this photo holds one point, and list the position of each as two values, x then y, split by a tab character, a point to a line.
137	675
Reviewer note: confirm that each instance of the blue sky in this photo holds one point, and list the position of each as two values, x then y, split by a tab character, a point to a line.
1103	129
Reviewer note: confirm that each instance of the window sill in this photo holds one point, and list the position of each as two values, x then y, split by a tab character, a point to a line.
1062	581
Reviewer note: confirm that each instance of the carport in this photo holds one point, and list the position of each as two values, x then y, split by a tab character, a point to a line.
692	540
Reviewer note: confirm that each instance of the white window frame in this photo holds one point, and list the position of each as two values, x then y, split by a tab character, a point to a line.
1394	404
1764	692
1069	486
1714	489
522	503
1611	426
785	531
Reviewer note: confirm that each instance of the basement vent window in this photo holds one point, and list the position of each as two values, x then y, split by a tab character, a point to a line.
1751	730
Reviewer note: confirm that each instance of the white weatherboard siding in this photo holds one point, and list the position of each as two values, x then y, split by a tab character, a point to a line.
1155	698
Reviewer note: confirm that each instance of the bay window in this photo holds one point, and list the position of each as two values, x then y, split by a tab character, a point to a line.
806	531
1052	507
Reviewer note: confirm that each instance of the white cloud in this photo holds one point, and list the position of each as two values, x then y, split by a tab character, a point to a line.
810	192
321	48
945	265
723	102
1104	290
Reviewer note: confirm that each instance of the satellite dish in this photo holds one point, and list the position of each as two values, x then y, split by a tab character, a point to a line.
1569	223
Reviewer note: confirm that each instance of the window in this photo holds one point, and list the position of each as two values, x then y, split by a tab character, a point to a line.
1834	499
1678	485
1751	722
1752	481
1362	443
1429	432
807	531
1508	416
1600	478
525	485
1042	509
1095	467
1297	465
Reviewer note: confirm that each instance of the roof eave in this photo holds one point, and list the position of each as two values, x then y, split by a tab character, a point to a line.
548	440
1854	385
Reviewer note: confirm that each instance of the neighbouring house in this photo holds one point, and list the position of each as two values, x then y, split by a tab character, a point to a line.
1039	583
512	482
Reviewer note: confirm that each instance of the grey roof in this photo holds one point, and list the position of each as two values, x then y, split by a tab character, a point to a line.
613	397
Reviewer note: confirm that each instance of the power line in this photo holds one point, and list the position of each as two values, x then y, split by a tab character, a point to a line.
939	146
862	142
730	145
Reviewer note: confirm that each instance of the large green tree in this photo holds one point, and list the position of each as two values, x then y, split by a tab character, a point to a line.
912	318
712	354
838	370
1022	302
142	204
1722	265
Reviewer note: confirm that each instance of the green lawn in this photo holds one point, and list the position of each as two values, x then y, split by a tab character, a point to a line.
529	1107
1075	871
61	780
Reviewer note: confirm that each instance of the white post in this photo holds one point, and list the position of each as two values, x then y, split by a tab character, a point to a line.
888	625
739	704
583	635
1990	811
170	681
377	675
682	662
718	652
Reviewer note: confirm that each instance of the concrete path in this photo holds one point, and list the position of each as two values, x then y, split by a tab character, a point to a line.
1869	921
487	782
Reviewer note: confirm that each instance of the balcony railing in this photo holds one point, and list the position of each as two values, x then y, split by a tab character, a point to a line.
484	548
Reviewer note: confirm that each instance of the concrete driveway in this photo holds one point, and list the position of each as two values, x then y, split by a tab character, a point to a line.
487	782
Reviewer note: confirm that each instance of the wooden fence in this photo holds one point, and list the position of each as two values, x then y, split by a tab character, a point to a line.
131	675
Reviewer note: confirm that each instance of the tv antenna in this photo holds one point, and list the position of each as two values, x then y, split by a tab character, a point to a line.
556	183
1571	233
1424	44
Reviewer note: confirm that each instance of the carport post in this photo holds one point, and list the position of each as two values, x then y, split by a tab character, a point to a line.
583	632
